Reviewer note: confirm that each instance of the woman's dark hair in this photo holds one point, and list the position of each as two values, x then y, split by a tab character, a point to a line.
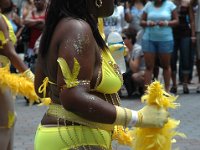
130	34
58	9
8	9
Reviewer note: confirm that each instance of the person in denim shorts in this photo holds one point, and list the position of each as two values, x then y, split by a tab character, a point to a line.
158	18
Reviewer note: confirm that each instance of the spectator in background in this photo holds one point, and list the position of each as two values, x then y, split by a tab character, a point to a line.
35	22
115	22
129	38
184	39
158	19
137	66
16	23
27	7
197	21
7	110
11	14
133	13
134	77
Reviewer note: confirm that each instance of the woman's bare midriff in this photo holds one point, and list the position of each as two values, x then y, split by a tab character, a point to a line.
53	121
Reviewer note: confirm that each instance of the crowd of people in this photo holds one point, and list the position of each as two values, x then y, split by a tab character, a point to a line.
180	30
63	45
166	33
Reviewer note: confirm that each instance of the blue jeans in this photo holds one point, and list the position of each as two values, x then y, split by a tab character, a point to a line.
157	46
186	58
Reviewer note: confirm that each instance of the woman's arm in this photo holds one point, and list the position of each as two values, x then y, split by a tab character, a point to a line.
29	22
144	22
135	64
40	76
174	21
76	40
77	54
9	50
128	16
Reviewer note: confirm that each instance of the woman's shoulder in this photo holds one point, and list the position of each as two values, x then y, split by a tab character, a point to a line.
73	25
169	2
75	33
149	4
70	27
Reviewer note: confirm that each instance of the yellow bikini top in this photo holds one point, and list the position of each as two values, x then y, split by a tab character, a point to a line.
111	78
11	33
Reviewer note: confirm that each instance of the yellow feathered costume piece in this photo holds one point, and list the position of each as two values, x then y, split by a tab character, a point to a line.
152	138
17	83
70	79
157	138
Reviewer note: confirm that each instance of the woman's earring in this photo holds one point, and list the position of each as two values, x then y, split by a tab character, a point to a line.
98	3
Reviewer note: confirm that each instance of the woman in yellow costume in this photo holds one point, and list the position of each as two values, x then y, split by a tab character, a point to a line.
83	81
9	82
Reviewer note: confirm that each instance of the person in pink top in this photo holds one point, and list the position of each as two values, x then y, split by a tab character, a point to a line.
35	22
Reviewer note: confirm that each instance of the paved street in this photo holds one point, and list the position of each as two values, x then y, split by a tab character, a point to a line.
29	117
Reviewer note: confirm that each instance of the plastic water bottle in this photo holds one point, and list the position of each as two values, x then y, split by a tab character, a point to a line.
118	55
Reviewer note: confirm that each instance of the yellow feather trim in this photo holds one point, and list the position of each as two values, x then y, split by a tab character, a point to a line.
152	138
45	101
157	138
17	83
123	136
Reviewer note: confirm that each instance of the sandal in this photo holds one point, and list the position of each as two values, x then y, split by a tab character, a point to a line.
173	90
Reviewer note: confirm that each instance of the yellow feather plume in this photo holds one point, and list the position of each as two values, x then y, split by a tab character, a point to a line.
157	138
18	84
151	138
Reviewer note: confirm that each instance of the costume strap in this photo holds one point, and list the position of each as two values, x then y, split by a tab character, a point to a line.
43	87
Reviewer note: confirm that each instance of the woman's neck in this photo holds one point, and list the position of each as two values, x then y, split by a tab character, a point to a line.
158	3
95	18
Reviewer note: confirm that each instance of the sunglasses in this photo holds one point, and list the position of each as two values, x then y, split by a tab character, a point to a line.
124	37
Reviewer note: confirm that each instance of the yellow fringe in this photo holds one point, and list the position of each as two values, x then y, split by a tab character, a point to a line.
123	136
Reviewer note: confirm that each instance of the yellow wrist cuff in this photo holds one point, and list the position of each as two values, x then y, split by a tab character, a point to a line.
28	74
123	116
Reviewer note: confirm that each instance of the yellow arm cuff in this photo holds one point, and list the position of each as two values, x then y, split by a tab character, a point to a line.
29	75
123	116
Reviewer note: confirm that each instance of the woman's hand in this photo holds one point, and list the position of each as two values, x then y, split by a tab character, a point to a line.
151	116
163	23
151	23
